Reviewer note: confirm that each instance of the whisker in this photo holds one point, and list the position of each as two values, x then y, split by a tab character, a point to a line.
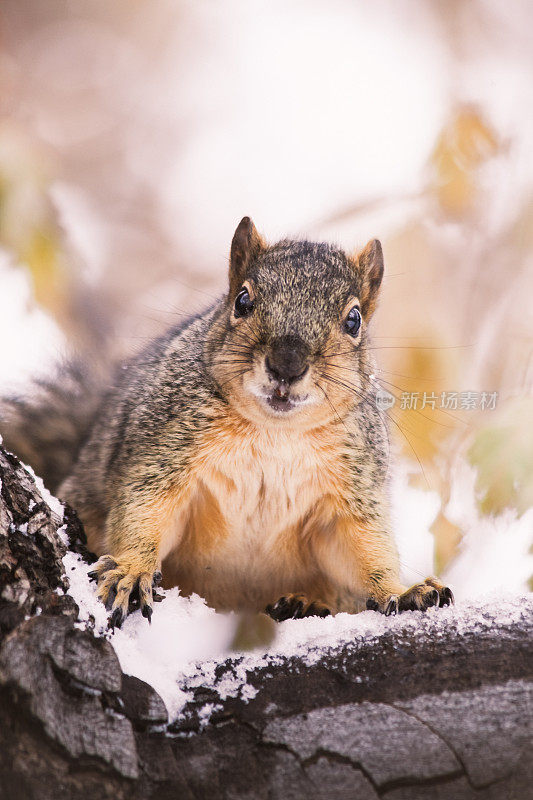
354	391
408	377
233	361
232	377
390	417
413	347
416	410
419	411
333	408
414	452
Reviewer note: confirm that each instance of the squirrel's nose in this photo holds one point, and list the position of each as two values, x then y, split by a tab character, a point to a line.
287	359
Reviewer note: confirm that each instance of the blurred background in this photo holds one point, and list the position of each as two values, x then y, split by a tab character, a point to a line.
134	135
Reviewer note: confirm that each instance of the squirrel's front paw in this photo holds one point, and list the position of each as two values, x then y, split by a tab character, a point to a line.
419	597
122	589
296	606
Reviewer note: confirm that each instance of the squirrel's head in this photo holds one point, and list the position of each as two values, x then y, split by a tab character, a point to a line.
289	346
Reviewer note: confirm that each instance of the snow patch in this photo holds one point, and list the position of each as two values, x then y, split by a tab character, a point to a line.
183	633
52	502
92	613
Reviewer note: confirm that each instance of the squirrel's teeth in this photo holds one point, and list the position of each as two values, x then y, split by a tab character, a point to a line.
282	391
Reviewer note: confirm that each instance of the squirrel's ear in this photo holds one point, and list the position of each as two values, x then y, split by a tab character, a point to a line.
246	245
370	271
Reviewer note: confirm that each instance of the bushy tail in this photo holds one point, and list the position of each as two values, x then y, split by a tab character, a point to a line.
47	428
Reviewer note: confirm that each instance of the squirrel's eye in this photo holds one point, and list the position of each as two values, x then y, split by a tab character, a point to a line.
244	304
352	322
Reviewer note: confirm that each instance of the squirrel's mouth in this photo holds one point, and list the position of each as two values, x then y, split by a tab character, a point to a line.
281	404
278	397
281	400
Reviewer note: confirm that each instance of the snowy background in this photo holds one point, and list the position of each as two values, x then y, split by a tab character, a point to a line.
133	138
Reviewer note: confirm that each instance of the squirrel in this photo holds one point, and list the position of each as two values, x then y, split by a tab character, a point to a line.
241	455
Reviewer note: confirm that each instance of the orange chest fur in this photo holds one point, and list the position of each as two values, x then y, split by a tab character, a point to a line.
249	484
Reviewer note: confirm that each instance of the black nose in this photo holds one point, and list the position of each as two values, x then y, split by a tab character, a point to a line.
287	359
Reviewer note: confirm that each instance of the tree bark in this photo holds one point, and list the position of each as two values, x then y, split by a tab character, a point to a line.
439	710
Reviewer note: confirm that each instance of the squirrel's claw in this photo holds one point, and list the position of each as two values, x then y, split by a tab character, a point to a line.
103	565
116	619
446	597
392	606
110	598
123	590
146	581
296	606
429	594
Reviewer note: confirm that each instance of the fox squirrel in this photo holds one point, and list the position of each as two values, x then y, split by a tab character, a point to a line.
241	454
